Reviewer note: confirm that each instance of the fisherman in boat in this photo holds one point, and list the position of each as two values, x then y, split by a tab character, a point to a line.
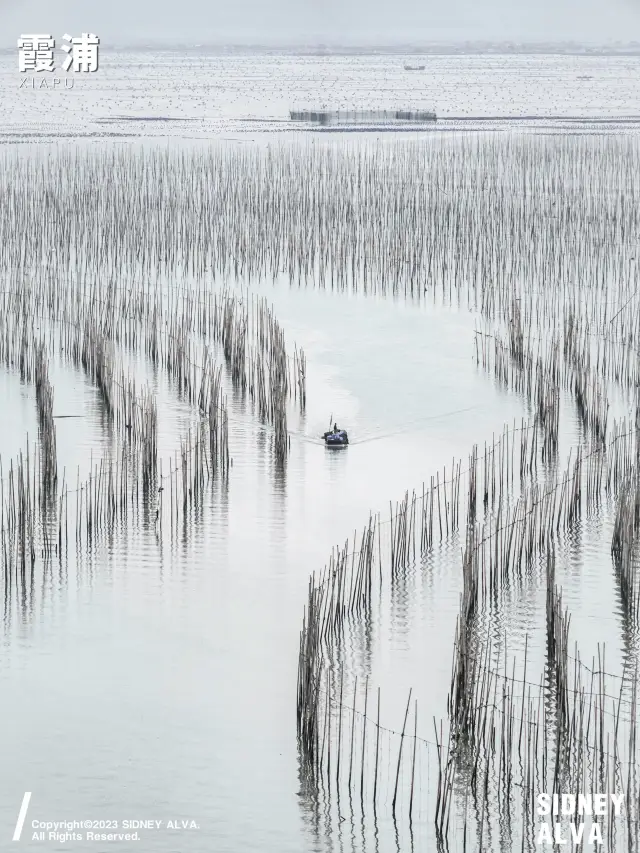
336	437
332	432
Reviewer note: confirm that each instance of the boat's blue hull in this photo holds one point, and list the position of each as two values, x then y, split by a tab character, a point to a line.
339	439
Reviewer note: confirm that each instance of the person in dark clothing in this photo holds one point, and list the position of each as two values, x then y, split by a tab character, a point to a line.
333	431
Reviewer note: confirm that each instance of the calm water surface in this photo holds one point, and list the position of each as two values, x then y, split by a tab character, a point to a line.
155	682
192	95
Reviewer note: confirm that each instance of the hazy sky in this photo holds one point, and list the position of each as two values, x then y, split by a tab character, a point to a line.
344	21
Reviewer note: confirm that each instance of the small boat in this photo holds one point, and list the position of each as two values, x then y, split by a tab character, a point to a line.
414	67
336	438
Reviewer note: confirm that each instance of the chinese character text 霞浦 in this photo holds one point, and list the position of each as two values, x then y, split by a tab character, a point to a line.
35	52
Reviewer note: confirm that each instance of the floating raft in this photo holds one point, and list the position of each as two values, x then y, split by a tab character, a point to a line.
362	116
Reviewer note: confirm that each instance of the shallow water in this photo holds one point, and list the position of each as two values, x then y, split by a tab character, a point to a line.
181	667
159	683
186	94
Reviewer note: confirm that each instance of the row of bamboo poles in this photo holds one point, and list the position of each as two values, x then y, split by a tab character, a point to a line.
98	335
370	217
499	743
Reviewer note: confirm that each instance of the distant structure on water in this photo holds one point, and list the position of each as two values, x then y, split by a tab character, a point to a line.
414	67
362	116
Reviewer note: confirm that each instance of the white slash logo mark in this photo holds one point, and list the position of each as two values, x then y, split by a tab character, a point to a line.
22	815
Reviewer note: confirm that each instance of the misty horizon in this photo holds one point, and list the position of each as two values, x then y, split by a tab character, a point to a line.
348	23
327	47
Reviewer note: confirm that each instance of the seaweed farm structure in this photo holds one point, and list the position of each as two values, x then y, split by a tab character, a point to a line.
508	736
328	117
497	226
207	347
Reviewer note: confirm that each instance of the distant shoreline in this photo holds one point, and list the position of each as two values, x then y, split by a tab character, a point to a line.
446	48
